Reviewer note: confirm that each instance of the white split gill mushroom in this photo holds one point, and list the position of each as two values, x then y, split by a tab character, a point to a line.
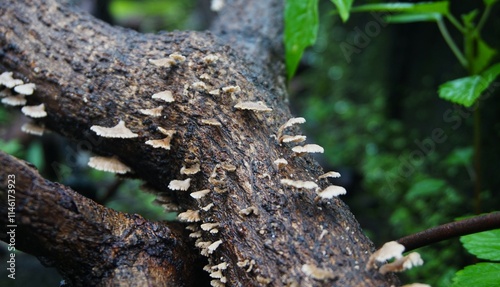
37	111
199	194
32	129
161	143
118	131
289	123
194	169
299	183
17	100
249	210
208	206
8	81
25	89
209	226
333	174
317	273
154	112
332	191
294	139
189	216
231	89
212	247
166	96
407	262
211	122
308	148
391	249
253	106
177	57
180	184
280	162
108	164
209	59
217	5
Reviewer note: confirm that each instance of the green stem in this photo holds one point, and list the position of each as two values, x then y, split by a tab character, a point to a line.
455	23
477	160
451	43
484	17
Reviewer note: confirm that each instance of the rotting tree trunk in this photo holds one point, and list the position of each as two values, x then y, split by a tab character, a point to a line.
88	73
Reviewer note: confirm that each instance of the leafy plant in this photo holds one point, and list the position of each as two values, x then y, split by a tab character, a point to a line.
484	245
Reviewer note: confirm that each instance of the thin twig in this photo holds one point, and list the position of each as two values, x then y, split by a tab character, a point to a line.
449	230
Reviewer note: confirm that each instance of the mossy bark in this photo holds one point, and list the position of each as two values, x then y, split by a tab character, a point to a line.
88	73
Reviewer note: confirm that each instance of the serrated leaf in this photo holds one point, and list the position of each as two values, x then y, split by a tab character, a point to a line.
465	91
485	245
478	275
440	7
301	29
413	17
343	7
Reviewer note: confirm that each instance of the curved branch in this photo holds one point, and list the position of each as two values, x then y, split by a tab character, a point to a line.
450	230
89	244
88	73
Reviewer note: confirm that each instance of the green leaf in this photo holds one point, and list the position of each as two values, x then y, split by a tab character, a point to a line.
440	7
478	275
343	7
425	188
484	54
465	91
413	17
301	29
485	245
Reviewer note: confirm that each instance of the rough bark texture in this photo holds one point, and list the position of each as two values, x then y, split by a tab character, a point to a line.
88	73
87	242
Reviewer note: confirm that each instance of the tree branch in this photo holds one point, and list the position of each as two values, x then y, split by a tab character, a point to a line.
88	73
89	244
450	230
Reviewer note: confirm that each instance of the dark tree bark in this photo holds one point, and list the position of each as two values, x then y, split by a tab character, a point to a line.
88	73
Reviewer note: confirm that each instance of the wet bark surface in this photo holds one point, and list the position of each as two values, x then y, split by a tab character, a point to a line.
88	73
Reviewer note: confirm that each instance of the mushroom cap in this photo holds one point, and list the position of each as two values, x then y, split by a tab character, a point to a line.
253	106
166	96
295	139
300	183
32	129
34	111
154	112
179	184
308	148
189	216
332	191
333	174
25	89
17	100
109	164
194	169
8	81
118	131
199	194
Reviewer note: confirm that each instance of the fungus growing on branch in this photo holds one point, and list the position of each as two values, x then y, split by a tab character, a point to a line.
109	164
289	123
118	131
332	174
189	216
166	96
25	89
180	184
308	148
8	81
391	249
34	111
199	194
294	139
332	191
211	122
299	183
253	106
402	264
154	112
317	273
32	129
194	169
17	100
